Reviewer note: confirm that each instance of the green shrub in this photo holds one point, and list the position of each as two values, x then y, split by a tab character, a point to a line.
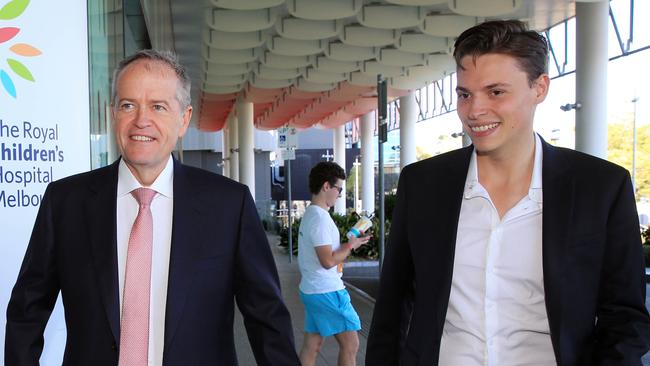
344	223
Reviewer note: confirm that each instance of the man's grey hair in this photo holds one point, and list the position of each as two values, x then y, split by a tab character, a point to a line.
166	57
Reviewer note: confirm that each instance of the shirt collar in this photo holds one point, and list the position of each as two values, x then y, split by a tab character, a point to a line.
164	183
474	189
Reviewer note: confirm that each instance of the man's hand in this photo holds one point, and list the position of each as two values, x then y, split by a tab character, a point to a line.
355	242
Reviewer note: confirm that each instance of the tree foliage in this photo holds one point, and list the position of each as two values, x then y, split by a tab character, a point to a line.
620	146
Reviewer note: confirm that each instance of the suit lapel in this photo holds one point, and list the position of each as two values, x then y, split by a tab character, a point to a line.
445	224
185	249
100	211
558	186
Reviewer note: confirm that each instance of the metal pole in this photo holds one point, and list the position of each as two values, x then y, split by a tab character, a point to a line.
635	100
289	204
382	137
356	183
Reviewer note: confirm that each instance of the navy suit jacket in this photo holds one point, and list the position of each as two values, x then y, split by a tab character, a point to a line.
219	254
594	280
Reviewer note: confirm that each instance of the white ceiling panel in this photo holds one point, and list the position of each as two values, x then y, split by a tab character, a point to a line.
316	76
273	73
342	52
213	68
246	4
328	65
447	25
231	56
357	35
220	80
262	83
294	47
304	29
359	78
390	16
285	62
323	10
240	20
393	57
482	8
233	40
422	43
307	86
375	68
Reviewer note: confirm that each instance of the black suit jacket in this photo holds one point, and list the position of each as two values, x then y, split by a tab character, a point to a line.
593	267
219	253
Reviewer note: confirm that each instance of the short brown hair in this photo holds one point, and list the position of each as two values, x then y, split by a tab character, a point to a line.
325	171
508	37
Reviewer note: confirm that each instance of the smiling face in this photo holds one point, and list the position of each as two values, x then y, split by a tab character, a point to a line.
148	118
496	103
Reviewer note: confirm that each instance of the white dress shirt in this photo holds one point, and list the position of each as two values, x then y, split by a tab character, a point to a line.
161	208
496	313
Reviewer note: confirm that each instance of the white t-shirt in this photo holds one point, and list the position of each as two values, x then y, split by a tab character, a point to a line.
316	229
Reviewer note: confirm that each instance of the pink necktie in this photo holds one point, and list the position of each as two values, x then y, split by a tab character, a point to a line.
134	327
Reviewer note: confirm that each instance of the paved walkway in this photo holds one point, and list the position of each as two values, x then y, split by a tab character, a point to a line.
289	279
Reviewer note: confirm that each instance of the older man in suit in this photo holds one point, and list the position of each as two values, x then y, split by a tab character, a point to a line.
510	251
148	254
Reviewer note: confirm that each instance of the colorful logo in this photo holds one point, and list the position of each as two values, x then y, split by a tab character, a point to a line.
13	9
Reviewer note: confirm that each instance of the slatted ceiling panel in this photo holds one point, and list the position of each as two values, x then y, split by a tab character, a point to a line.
482	8
394	57
305	29
233	40
417	2
358	35
324	10
389	16
423	43
246	5
306	59
447	25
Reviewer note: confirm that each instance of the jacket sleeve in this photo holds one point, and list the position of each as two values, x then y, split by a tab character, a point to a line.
34	294
395	299
258	295
622	332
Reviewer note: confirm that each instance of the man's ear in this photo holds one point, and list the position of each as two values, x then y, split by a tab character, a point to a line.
185	120
541	86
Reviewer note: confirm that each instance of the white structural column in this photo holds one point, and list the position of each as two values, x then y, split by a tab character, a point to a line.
367	122
408	116
339	158
225	152
246	145
591	77
233	137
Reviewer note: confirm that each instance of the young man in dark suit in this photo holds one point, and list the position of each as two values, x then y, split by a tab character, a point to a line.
510	251
149	255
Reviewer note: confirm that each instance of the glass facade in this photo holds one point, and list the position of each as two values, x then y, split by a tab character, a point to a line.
106	48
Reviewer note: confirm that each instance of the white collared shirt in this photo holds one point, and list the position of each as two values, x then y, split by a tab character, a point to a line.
496	313
161	208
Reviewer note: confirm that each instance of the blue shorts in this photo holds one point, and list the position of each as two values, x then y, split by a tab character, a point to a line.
329	313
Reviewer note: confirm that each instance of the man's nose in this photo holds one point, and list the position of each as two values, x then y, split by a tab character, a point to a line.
143	118
477	107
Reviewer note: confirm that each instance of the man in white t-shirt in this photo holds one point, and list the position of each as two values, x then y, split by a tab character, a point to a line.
328	310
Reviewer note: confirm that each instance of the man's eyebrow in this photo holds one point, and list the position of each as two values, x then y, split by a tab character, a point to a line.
496	85
460	88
